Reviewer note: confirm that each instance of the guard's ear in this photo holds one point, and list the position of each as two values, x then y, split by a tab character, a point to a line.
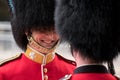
26	33
75	53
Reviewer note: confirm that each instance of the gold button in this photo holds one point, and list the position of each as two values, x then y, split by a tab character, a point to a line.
45	70
45	77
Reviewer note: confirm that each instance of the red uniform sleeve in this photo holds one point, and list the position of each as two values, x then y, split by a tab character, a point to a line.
1	78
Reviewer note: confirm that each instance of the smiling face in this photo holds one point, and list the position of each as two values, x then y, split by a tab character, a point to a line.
47	39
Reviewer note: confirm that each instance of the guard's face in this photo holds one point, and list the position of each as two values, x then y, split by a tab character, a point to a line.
46	39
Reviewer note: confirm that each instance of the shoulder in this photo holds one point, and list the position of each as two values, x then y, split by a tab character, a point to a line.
66	60
12	58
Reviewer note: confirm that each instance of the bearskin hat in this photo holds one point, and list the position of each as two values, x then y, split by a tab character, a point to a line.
27	14
91	27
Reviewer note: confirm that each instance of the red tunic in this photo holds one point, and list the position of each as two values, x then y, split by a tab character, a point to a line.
24	68
92	72
93	76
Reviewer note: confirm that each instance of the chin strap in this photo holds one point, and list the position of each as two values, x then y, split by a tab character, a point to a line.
39	47
111	69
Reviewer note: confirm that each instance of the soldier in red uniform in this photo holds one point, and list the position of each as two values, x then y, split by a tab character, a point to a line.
33	29
92	28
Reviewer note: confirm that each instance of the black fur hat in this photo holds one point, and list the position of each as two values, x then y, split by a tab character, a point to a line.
27	14
90	26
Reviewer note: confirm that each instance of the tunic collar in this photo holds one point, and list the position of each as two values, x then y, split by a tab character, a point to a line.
91	69
39	57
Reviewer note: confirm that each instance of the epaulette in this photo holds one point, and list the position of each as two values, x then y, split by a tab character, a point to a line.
66	77
9	59
67	60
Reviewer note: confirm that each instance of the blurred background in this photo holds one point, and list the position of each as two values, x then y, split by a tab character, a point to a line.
9	48
3	11
7	43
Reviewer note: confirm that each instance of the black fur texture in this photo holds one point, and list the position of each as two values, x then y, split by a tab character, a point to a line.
29	14
90	26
